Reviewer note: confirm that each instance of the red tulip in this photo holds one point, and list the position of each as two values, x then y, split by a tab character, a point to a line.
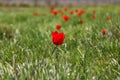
58	27
36	14
55	12
52	8
104	31
118	11
61	12
71	12
108	18
81	12
93	11
93	16
76	10
58	38
66	18
65	9
81	21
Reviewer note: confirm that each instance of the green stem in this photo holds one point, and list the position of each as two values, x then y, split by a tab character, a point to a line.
84	65
54	50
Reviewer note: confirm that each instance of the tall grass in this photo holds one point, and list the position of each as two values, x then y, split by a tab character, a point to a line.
86	54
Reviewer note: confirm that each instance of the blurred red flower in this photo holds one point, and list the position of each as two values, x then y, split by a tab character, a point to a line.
118	11
81	12
65	9
93	11
52	7
93	16
71	12
54	12
66	18
36	14
104	31
60	12
58	38
108	18
76	10
81	21
58	27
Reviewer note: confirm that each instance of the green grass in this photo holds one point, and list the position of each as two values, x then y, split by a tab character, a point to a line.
85	54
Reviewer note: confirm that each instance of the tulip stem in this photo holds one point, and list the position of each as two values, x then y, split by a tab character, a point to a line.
54	50
84	66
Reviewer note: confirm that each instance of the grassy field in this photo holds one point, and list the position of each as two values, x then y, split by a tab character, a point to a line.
26	44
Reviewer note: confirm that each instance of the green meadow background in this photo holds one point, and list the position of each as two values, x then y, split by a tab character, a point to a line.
26	44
